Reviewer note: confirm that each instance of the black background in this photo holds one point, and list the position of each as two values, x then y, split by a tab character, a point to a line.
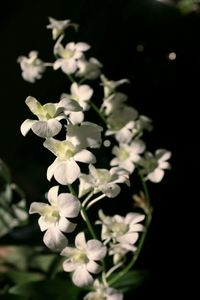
166	91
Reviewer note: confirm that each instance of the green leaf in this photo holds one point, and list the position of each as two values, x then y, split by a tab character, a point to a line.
131	280
50	289
20	277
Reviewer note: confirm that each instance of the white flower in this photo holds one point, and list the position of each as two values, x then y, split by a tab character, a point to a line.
111	85
127	155
32	67
123	230
119	251
49	116
58	26
120	121
82	259
65	168
82	94
85	135
102	180
113	102
69	56
90	69
154	166
53	218
102	292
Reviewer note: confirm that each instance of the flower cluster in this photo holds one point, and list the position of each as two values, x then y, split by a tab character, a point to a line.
124	126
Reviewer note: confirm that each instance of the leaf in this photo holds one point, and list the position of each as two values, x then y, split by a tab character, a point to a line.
131	280
20	277
50	289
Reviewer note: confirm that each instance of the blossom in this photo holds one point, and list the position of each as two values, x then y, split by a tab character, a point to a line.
81	260
102	180
58	26
120	121
65	168
68	56
119	251
49	116
102	292
154	165
128	155
53	217
112	103
32	67
111	85
82	94
123	230
90	69
87	134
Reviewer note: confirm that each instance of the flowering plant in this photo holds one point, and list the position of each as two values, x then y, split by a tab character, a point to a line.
97	248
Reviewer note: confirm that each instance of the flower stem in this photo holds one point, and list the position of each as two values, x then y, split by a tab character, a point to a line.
98	112
89	225
95	200
141	241
70	78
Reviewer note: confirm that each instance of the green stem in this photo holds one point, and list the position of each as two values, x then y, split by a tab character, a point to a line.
89	225
141	241
71	189
54	266
98	112
70	78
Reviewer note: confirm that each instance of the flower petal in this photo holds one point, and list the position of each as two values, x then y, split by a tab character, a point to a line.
68	266
128	238
156	176
111	190
93	267
47	129
67	172
85	156
53	194
55	239
26	126
80	241
95	250
65	225
37	207
68	205
81	277
44	223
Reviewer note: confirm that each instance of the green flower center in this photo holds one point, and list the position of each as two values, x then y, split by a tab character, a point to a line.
119	228
79	257
51	213
65	150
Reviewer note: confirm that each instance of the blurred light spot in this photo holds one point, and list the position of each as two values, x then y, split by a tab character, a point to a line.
140	48
107	143
172	56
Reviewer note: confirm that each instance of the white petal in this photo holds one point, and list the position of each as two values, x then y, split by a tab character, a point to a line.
76	117
51	169
68	266
53	194
65	225
82	46
93	267
85	156
80	241
156	175
47	129
37	207
67	172
33	104
44	223
111	190
128	238
95	250
69	66
55	239
69	105
81	277
68	205
133	218
58	63
26	126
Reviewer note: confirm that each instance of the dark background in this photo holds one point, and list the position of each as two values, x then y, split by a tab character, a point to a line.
166	91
